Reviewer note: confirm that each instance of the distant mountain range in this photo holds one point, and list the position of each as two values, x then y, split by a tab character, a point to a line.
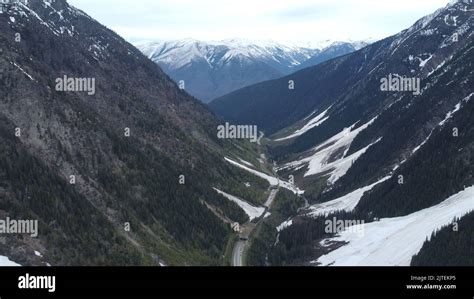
213	69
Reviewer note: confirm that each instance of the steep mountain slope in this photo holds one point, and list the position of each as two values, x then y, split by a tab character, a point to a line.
119	174
397	160
274	106
458	245
212	69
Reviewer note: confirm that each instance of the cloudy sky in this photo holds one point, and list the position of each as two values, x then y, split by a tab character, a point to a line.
278	20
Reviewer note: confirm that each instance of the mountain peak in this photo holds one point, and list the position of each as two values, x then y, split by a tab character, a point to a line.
213	68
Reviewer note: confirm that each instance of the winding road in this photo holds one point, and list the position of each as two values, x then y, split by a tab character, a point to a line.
241	244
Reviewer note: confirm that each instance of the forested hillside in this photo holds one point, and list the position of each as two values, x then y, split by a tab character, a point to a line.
119	175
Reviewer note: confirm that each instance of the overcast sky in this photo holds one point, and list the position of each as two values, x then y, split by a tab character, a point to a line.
278	20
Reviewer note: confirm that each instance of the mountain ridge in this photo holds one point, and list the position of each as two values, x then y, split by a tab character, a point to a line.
211	69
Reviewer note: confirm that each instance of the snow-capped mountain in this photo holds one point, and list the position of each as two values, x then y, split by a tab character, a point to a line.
179	53
335	49
212	69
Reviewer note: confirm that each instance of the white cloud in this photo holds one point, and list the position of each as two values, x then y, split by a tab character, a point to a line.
284	20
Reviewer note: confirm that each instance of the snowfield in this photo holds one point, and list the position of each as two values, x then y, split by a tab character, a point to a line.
273	181
319	162
346	203
394	241
251	211
315	122
5	262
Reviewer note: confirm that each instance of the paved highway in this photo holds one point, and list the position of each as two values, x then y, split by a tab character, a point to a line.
238	253
239	247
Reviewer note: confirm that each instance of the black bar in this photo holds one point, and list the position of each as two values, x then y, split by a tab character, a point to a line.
170	282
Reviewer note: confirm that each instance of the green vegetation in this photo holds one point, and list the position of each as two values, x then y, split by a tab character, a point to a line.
261	248
31	190
451	246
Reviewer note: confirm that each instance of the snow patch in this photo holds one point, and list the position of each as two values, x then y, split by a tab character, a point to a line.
346	203
456	109
251	211
273	181
424	62
32	12
394	241
320	162
23	71
5	262
315	122
423	143
246	163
